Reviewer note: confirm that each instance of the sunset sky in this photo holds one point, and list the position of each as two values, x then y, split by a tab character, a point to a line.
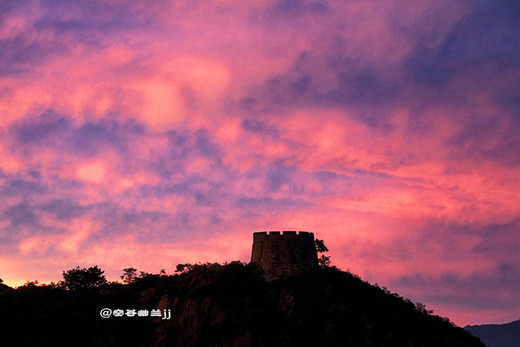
152	133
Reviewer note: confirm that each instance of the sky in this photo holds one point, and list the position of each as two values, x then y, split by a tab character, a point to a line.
151	133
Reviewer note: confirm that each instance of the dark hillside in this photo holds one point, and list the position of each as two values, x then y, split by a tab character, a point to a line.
4	288
225	305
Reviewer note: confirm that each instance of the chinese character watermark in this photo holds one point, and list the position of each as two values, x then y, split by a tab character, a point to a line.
164	315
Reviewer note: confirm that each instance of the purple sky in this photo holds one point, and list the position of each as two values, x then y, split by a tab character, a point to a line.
152	133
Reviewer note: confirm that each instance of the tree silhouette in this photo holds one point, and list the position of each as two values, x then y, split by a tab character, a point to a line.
182	268
77	279
323	260
320	246
129	275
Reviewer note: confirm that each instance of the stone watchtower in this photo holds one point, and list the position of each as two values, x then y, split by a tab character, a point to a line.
284	254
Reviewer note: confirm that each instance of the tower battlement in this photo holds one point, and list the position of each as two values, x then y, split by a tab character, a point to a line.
264	235
285	253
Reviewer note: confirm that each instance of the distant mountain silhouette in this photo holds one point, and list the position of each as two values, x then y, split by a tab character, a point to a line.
497	335
225	305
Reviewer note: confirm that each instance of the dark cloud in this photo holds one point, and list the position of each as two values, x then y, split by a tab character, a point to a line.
23	221
478	302
187	222
93	20
20	55
260	127
282	12
25	218
261	205
46	130
481	44
22	215
59	25
205	144
277	176
91	138
183	147
496	241
165	166
499	241
482	291
478	55
163	190
486	138
346	186
424	66
365	87
22	187
289	8
24	49
453	243
353	84
58	132
509	99
65	186
62	209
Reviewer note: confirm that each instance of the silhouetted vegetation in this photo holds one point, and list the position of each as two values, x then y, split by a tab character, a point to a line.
182	268
323	260
224	305
78	279
129	275
30	284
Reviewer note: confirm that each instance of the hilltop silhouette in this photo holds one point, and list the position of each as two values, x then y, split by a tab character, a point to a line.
224	305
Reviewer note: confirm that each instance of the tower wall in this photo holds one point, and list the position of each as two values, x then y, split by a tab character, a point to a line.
284	254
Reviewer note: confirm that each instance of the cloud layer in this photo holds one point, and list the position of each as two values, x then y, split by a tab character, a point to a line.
155	133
